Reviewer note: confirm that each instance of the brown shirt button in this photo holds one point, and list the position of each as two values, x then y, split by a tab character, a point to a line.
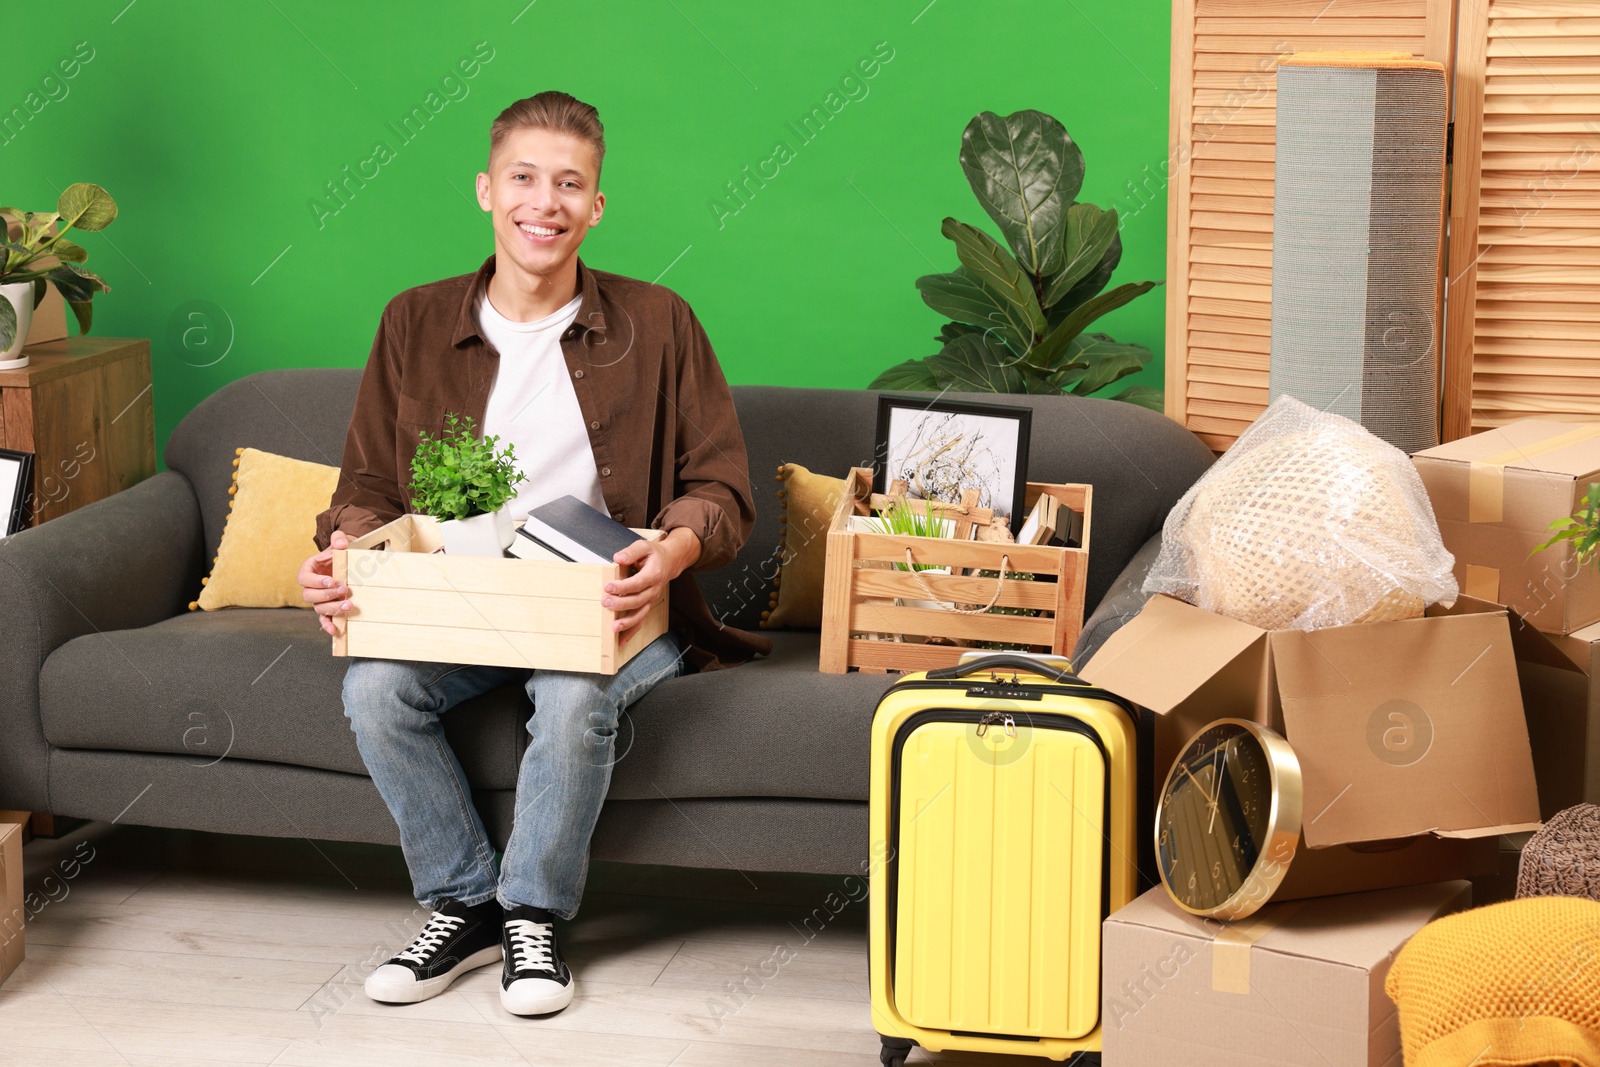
577	374
605	472
594	426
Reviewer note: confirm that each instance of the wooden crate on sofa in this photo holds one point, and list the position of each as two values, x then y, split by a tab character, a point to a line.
413	602
863	628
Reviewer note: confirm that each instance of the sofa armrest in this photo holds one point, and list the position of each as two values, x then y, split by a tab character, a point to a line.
129	560
1125	599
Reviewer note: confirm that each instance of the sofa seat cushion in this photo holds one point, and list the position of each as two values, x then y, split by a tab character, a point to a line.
244	683
260	684
773	727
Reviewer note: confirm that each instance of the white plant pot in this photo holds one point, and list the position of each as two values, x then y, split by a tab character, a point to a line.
21	296
931	605
478	535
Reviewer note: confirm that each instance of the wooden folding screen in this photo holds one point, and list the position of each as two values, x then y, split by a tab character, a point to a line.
1523	330
1219	223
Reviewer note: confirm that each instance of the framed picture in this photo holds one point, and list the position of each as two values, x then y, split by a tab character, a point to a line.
16	485
941	447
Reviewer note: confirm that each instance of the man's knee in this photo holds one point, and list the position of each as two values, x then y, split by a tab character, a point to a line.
377	692
573	708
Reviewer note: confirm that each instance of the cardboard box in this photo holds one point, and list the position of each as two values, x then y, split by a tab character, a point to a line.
1495	495
49	319
13	923
413	602
1402	728
1557	674
1296	985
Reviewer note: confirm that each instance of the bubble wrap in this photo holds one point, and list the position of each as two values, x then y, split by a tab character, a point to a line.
1308	521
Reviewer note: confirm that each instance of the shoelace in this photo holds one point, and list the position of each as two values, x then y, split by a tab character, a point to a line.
530	945
438	927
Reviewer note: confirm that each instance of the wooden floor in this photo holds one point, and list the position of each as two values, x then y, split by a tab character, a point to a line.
166	948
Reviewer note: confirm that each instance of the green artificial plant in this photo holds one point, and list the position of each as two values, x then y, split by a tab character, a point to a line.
456	475
28	239
1019	313
1582	528
900	518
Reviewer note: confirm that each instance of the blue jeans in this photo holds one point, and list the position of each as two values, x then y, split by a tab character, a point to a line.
394	708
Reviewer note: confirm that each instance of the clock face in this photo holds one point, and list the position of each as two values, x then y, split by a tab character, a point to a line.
1215	819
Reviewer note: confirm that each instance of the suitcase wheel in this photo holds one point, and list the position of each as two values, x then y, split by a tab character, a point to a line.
894	1051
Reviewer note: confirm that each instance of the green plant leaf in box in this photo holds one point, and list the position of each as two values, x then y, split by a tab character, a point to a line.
456	475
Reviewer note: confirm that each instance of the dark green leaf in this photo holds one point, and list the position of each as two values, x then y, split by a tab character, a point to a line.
912	374
8	324
40	287
84	310
1045	352
86	206
1025	170
76	283
1097	280
1090	232
993	266
964	298
972	364
1145	396
951	330
1106	359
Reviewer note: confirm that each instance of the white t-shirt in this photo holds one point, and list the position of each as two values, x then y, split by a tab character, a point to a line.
533	406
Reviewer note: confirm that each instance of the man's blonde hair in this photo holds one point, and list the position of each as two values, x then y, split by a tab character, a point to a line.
551	110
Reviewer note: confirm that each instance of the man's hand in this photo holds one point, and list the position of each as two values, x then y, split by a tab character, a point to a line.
320	590
657	563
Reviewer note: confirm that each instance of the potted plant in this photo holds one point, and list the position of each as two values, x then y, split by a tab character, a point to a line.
465	483
37	253
1019	313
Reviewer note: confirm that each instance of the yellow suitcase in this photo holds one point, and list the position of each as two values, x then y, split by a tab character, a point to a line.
1005	798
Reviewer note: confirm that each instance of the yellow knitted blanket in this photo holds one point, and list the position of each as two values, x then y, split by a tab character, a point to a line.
1509	985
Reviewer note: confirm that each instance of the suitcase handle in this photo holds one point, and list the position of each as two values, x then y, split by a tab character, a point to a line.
1005	659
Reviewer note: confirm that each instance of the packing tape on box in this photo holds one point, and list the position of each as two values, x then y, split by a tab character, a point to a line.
1486	477
1230	951
1482	583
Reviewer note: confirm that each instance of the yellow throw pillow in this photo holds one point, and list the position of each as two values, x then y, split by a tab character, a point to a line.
271	529
806	504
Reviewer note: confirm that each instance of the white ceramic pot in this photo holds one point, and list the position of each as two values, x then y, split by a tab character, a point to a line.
21	296
478	535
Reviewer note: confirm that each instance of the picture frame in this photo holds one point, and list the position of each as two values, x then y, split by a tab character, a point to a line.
990	453
16	489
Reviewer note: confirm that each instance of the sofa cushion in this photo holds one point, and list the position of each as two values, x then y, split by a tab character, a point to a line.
260	684
245	683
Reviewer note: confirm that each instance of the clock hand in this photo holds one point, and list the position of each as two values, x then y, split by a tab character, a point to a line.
1197	784
1217	784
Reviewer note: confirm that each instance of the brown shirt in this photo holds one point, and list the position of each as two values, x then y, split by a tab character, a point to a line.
666	439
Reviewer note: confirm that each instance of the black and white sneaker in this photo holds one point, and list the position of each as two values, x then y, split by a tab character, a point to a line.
535	979
455	939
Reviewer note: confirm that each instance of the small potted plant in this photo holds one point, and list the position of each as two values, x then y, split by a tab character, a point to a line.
465	483
37	253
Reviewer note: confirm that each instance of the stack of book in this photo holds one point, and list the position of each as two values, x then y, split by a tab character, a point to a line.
1052	523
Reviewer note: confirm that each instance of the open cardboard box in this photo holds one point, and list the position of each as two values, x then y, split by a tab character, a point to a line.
1402	728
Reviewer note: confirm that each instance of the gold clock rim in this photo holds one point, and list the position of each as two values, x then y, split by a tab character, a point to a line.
1284	822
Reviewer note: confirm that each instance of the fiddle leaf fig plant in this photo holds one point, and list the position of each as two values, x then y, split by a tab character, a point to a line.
32	237
456	475
1019	311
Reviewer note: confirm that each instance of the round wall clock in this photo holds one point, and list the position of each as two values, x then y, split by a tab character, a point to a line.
1228	819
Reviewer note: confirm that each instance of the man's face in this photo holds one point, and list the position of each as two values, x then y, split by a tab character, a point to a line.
543	194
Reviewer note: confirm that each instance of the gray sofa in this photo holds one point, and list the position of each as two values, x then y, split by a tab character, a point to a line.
117	703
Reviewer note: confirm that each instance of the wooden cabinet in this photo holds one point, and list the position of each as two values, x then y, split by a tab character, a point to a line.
83	407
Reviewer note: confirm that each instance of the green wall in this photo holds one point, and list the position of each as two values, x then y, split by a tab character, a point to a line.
218	126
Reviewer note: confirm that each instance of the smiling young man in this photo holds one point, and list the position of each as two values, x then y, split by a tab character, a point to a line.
609	390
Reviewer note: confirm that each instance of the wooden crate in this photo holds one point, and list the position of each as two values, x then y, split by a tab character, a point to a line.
415	603
861	586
